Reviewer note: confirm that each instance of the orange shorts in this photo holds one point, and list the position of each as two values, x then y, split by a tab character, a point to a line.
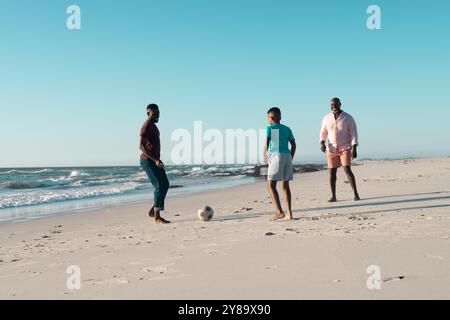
339	159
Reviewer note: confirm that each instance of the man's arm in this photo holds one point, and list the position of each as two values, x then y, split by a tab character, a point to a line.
355	152
323	146
148	153
323	136
353	130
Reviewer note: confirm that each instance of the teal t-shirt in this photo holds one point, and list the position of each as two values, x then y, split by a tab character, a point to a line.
280	136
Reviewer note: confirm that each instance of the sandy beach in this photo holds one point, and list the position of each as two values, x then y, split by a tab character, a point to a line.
402	225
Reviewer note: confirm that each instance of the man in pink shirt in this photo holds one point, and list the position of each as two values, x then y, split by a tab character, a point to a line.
340	131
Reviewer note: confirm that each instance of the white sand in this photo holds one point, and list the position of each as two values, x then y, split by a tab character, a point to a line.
402	225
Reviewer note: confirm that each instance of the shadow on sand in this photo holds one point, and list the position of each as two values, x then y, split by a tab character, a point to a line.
360	204
364	204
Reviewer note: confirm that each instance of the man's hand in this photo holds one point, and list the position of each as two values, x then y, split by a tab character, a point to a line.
323	147
354	152
159	164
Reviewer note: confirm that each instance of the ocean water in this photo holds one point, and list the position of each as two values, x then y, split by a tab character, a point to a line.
35	192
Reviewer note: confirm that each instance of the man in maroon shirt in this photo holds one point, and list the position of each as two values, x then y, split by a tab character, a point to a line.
151	163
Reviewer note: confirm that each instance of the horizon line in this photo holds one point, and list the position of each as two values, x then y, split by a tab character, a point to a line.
224	164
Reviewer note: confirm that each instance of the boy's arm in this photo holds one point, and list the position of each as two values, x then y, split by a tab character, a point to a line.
266	149
293	148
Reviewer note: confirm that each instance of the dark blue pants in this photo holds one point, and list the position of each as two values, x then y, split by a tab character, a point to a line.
159	180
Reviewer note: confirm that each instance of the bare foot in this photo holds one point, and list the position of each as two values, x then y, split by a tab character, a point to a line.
161	221
151	213
277	217
333	199
289	217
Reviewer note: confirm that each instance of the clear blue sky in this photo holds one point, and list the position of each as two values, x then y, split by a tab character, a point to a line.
79	97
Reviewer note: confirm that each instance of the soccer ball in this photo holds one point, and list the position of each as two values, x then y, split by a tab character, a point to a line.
206	213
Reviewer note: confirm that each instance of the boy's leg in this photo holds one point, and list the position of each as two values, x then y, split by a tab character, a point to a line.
272	187
288	199
288	175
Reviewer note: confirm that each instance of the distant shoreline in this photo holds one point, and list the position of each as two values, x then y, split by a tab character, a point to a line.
296	163
142	195
38	211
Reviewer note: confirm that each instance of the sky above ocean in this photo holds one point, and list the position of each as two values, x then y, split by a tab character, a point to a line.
78	97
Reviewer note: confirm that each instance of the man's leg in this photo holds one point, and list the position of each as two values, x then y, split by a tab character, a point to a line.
151	213
333	178
288	199
145	165
272	187
161	189
164	187
352	181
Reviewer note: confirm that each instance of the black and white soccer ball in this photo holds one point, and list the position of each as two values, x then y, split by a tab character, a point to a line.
206	213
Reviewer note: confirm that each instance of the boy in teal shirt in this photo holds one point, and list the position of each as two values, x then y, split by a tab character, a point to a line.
278	138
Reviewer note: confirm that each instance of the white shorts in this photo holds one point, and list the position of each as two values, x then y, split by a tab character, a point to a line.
280	167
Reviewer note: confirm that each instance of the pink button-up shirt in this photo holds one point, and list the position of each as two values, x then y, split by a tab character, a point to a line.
341	133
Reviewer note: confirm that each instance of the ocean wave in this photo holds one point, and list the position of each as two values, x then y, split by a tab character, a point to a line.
14	200
13	171
218	171
138	176
59	184
37	184
21	185
77	173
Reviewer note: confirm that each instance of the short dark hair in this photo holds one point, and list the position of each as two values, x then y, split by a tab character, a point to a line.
336	100
152	107
275	110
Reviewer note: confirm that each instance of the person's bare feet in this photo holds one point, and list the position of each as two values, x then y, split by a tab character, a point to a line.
333	199
161	221
151	213
289	217
278	216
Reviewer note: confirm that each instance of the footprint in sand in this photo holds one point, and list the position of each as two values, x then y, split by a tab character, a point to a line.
32	273
211	252
56	229
435	257
157	269
271	268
